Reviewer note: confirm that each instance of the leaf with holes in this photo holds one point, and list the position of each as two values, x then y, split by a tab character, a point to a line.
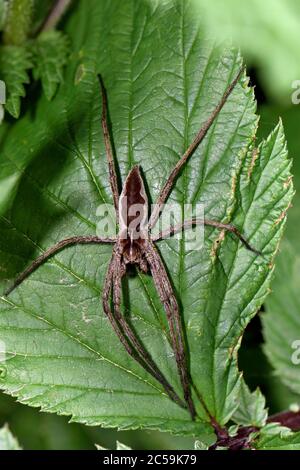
61	352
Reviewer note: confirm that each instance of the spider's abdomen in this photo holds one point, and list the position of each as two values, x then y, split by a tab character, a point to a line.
133	215
133	207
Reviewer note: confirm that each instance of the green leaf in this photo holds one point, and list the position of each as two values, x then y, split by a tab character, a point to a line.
50	56
204	442
3	11
276	437
62	353
281	321
270	42
18	22
119	445
251	410
199	445
15	61
7	440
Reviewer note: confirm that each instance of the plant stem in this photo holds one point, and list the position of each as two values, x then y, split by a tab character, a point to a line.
55	15
240	441
290	419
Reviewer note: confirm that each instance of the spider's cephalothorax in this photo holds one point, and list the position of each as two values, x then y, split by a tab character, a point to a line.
135	245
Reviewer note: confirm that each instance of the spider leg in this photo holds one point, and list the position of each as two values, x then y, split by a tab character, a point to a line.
125	333
167	297
165	191
109	152
52	251
212	223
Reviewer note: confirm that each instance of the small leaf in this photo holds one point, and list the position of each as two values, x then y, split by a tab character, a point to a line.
232	430
50	56
15	61
18	22
204	441
119	446
276	437
7	440
99	447
199	445
251	410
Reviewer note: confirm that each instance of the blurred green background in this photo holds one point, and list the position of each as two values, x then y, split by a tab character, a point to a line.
268	33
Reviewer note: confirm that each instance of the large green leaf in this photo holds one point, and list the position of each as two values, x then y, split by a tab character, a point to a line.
163	78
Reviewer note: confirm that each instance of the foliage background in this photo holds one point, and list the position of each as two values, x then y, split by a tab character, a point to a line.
268	34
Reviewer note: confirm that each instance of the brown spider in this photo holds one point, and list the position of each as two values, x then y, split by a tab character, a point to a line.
136	247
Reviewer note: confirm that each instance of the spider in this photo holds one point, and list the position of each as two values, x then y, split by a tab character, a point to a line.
136	246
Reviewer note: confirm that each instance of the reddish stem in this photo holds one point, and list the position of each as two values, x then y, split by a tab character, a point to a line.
241	441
